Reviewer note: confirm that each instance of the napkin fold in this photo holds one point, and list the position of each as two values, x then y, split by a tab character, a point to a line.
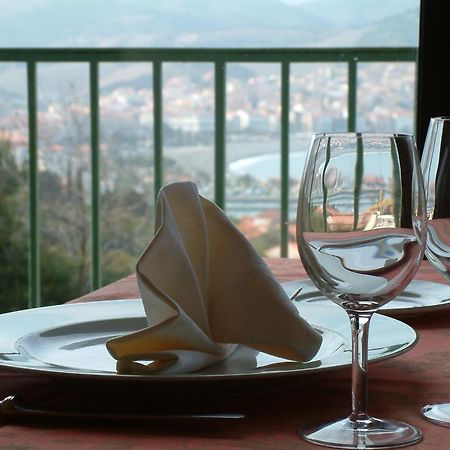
205	290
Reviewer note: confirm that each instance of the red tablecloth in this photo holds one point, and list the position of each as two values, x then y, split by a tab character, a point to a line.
398	388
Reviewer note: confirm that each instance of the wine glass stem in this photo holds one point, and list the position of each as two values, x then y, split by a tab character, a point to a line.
360	334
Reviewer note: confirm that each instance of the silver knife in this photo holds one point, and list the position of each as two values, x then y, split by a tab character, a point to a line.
11	407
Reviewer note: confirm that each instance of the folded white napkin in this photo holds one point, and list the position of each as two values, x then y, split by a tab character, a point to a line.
205	290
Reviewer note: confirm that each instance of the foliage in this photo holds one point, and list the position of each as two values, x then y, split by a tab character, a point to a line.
64	219
266	241
56	269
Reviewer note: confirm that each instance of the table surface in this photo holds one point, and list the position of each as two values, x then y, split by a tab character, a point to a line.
398	388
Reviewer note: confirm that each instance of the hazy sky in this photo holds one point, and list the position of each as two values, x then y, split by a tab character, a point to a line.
8	7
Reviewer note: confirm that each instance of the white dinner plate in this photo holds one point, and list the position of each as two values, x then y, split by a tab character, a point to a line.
420	297
69	340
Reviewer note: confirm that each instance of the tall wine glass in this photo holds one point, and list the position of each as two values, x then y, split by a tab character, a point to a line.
436	176
361	230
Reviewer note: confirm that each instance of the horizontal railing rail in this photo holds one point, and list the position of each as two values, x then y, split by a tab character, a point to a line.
158	56
368	54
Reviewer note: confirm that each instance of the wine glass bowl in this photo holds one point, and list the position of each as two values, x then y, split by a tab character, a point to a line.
361	231
436	174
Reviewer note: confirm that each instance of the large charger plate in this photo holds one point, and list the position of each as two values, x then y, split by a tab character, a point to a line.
69	341
420	297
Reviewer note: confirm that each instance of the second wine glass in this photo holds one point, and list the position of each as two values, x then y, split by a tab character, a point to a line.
361	230
436	174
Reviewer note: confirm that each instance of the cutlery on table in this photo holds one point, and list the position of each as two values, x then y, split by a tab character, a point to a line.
12	408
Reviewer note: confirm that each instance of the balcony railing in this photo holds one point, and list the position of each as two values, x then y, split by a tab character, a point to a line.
158	57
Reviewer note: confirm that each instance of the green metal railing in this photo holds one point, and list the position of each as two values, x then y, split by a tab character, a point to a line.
220	58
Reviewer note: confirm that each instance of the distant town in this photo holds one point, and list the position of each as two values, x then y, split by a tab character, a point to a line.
318	102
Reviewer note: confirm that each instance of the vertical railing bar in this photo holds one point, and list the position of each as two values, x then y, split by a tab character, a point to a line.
157	127
284	169
352	93
34	269
95	176
220	130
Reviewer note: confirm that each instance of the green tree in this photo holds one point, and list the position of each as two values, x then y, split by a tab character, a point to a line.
13	244
56	268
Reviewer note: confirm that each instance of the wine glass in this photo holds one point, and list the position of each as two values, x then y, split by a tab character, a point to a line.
436	176
361	231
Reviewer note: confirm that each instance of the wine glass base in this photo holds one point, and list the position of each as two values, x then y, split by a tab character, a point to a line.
362	434
438	413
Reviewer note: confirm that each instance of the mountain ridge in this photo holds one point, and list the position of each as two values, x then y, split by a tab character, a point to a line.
199	23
